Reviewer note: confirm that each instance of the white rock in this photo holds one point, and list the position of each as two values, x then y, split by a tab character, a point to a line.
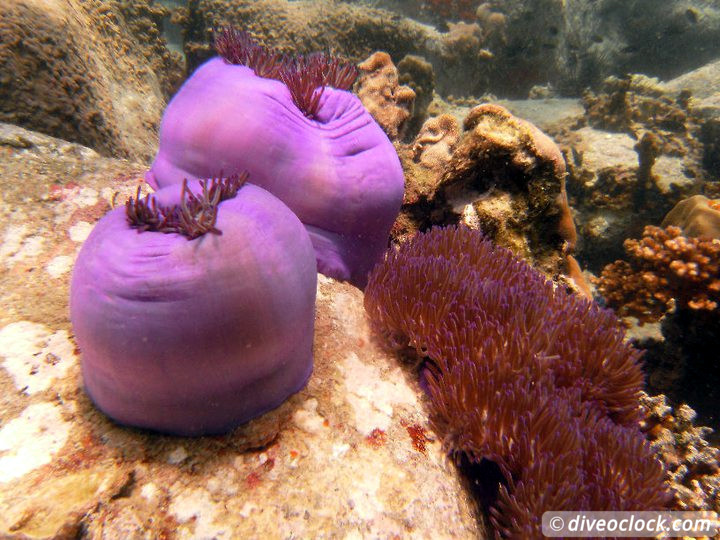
31	439
34	356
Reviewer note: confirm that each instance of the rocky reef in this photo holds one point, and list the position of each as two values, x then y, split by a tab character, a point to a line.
570	44
97	73
503	47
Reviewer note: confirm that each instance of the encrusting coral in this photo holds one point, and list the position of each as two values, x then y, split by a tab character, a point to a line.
434	145
390	103
665	269
313	146
697	216
522	374
504	176
194	307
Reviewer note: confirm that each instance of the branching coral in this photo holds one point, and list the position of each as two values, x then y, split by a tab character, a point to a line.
693	462
664	268
519	372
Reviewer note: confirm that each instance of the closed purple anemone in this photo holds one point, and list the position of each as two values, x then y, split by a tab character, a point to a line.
337	171
196	336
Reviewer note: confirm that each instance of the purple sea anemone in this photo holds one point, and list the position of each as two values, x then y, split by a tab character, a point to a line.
521	374
194	308
329	162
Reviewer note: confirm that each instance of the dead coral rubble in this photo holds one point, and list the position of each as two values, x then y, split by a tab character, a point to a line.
692	463
665	269
522	374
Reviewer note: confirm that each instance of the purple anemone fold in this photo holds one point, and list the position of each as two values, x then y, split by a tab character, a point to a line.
337	171
194	336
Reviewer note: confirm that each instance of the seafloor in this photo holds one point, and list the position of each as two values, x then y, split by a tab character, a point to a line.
596	129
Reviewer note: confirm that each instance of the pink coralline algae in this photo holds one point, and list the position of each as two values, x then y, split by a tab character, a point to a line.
313	146
194	308
522	375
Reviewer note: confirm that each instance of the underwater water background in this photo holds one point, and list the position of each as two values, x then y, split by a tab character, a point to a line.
583	136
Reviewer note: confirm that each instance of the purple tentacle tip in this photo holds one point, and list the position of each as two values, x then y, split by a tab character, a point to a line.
333	167
194	308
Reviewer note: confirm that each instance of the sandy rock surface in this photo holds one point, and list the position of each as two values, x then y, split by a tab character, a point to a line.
350	456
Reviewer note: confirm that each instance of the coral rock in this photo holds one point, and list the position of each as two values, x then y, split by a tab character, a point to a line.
66	470
92	72
503	153
527	146
382	95
463	38
504	176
